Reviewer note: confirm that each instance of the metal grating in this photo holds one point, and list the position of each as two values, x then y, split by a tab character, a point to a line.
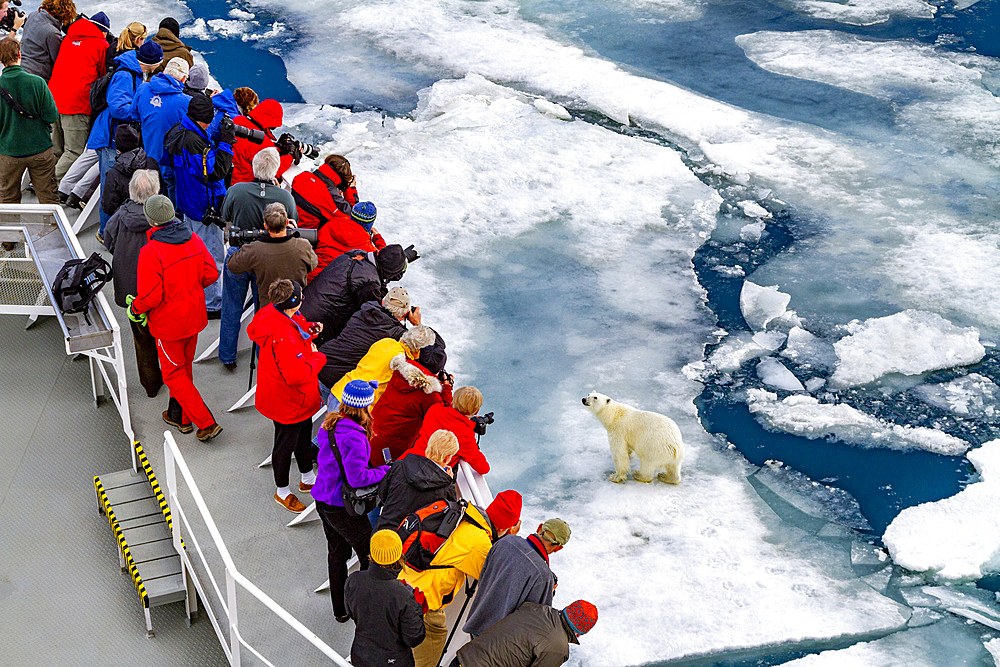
20	282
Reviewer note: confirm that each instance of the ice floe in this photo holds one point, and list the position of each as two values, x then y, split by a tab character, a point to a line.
973	395
862	12
957	538
805	348
808	417
774	374
764	306
741	347
910	342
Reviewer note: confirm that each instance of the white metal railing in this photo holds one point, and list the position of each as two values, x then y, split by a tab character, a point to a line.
174	463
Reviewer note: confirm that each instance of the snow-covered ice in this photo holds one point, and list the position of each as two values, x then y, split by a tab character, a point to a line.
762	305
807	416
862	12
957	538
804	347
910	342
774	374
740	347
973	395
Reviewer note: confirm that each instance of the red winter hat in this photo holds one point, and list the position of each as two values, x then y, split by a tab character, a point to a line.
581	615
505	510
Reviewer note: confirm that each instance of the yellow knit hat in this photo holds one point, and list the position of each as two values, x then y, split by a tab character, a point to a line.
386	548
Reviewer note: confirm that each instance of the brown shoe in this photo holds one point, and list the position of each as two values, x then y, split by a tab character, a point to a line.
291	503
206	434
183	428
305	488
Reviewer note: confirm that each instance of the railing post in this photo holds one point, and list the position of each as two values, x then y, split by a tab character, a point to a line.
234	640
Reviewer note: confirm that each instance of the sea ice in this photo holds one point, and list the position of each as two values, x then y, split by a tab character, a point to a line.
752	232
910	342
993	646
973	395
806	416
740	347
762	305
957	538
774	374
862	12
752	209
805	348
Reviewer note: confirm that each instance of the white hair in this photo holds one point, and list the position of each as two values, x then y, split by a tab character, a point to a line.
144	184
418	338
266	163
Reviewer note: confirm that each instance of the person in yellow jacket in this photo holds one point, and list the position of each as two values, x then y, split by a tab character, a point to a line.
463	554
375	364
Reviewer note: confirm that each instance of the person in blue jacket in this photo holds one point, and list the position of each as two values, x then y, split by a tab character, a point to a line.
159	105
225	105
201	168
132	68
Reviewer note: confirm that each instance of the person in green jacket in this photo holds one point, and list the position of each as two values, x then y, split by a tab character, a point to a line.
25	133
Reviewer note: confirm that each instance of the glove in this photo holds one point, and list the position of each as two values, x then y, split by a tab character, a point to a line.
410	254
142	319
227	131
287	145
421	599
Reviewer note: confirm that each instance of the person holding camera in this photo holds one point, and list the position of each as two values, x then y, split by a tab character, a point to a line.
287	392
366	327
159	104
244	208
168	36
349	281
26	113
399	414
173	269
348	429
354	231
43	34
459	418
418	481
265	117
275	257
375	364
200	171
11	19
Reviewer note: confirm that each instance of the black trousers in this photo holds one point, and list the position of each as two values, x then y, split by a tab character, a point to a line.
146	359
343	533
290	438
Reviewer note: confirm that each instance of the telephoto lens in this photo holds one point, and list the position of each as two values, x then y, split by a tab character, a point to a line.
308	150
250	134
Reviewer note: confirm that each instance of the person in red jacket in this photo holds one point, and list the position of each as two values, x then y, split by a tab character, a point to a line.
174	269
80	62
465	404
265	116
399	413
288	385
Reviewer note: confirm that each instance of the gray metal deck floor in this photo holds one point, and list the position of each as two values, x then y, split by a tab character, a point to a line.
61	596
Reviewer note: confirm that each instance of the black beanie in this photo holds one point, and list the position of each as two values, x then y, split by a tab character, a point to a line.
172	25
294	299
126	138
391	262
200	108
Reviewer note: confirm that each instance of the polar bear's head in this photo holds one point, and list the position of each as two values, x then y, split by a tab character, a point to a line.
595	402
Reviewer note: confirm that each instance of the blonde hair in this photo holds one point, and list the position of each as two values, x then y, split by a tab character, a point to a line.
467	400
132	36
360	416
441	446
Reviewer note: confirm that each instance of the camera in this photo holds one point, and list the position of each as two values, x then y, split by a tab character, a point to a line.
213	217
410	254
7	22
482	421
239	236
289	145
445	376
250	134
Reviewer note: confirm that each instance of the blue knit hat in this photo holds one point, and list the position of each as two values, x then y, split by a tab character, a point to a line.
102	21
363	213
150	53
359	394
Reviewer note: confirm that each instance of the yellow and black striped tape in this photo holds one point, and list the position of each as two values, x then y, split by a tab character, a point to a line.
133	571
155	485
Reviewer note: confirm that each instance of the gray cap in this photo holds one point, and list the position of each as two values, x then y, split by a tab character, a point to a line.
558	529
397	302
198	77
159	210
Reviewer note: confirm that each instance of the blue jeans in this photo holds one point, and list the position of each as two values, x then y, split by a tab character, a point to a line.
216	245
106	159
167	173
234	296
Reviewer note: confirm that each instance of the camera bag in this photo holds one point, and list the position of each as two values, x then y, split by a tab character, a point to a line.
425	531
78	282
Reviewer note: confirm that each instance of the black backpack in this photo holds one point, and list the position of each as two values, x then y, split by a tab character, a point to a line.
99	91
78	282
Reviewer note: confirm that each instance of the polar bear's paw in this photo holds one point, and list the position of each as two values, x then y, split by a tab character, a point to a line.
618	477
670	477
639	478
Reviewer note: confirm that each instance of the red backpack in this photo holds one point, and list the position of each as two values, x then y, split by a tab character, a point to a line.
425	531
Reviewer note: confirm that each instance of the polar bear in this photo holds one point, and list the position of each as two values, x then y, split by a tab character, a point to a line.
655	439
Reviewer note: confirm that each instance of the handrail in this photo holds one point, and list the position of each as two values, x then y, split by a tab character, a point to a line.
175	462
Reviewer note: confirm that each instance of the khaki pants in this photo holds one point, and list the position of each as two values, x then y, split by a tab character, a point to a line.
41	168
69	139
429	651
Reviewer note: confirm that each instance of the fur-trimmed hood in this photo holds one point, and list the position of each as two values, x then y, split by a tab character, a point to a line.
415	375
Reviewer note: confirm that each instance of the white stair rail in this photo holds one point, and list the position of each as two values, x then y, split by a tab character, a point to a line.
174	463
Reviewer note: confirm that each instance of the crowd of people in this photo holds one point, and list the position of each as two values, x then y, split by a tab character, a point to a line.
136	119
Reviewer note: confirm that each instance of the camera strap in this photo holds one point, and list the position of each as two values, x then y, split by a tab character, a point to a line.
15	105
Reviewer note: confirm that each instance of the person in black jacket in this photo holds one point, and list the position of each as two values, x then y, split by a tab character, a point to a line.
417	481
372	323
124	237
347	282
388	620
131	158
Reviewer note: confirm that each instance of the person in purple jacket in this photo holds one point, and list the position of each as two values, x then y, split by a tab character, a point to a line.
348	429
